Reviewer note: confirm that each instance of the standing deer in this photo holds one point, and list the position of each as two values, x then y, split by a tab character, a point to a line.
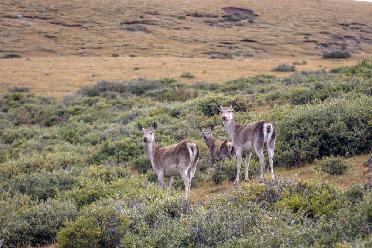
249	138
218	149
175	160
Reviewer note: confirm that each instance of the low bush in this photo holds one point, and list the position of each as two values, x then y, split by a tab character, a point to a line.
97	226
187	75
309	132
40	186
336	54
285	68
19	89
333	165
35	225
10	56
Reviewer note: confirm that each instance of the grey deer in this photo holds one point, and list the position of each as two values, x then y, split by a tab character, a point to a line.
219	149
175	160
249	138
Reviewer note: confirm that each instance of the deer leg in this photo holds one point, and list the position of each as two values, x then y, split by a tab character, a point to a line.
161	179
238	165
261	158
170	182
247	160
211	161
184	168
270	152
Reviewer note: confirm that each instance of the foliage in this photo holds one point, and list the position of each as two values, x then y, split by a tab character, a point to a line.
31	224
284	68
10	55
67	165
187	75
307	132
336	54
333	165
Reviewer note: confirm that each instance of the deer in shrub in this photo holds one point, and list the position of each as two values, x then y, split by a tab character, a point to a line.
176	160
218	149
249	138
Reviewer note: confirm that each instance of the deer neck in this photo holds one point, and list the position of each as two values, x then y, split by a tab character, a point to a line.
230	128
210	144
150	150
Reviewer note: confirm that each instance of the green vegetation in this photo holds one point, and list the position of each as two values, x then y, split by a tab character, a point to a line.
336	54
75	172
187	75
333	165
10	56
285	68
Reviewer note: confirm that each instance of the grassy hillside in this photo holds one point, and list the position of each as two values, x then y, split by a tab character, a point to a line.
74	172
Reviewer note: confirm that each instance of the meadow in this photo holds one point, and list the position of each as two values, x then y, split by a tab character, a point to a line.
73	172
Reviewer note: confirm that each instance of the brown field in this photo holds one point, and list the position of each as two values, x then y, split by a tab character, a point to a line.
180	28
68	44
60	76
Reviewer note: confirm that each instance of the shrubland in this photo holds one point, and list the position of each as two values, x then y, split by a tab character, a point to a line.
75	172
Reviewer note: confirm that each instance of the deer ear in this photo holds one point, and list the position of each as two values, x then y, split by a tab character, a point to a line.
234	106
219	108
154	125
139	126
211	127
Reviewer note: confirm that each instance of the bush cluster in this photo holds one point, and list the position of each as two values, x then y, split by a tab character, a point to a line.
285	213
333	165
284	68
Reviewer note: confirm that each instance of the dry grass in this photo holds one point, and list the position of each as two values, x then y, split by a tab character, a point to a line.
60	76
68	44
95	28
357	173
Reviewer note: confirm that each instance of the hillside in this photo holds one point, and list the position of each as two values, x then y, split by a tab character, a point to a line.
75	172
208	29
80	79
66	45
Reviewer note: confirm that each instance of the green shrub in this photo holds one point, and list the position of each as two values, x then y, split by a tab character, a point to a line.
107	173
284	68
10	56
36	225
19	89
187	75
97	226
336	54
300	95
226	171
363	69
119	151
355	193
305	133
333	165
40	185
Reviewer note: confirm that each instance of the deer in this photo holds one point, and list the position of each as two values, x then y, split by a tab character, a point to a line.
218	149
176	160
247	139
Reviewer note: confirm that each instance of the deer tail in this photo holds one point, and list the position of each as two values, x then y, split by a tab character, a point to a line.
269	133
193	151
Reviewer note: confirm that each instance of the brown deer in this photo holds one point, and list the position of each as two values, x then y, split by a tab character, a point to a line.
218	149
175	160
249	138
